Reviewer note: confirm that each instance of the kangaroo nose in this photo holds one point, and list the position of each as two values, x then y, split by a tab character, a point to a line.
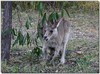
45	37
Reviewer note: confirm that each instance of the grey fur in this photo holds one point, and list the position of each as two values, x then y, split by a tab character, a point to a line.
58	39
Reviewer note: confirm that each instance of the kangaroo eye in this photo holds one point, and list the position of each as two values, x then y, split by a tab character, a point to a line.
51	31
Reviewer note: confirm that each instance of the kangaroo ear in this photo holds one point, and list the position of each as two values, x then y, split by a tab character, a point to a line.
46	24
59	22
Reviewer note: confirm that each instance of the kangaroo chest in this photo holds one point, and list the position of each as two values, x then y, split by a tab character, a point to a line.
52	42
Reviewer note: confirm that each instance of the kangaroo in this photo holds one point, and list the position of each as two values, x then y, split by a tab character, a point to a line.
56	36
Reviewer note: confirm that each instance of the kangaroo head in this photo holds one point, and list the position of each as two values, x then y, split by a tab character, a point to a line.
50	30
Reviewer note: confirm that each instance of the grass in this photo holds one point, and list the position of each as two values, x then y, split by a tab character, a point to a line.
84	38
75	63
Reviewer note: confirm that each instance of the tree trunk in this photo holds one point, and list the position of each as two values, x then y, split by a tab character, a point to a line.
7	25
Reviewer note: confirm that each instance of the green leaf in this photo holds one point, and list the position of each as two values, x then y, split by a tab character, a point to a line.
40	8
13	32
16	41
36	42
28	39
44	18
53	16
24	40
62	13
57	16
21	37
27	24
39	30
67	12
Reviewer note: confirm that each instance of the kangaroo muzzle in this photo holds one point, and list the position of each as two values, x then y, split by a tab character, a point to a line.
45	38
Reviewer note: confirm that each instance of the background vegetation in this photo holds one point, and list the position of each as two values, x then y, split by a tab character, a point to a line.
28	19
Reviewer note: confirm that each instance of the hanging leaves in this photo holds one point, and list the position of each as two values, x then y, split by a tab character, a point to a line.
57	16
40	26
28	38
27	24
20	39
44	18
62	13
39	30
16	41
53	17
13	32
40	8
